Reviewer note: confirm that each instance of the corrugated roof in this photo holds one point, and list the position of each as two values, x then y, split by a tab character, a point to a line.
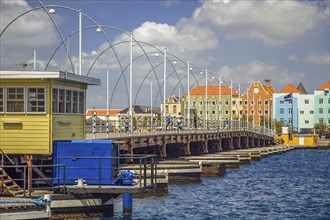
89	112
289	89
324	86
212	90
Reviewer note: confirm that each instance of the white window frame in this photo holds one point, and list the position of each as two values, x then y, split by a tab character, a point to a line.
3	99
24	99
27	92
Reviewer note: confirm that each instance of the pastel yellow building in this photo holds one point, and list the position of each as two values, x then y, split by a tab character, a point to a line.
39	107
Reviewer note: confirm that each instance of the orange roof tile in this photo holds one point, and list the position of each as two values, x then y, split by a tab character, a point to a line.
269	89
324	86
89	112
289	89
212	90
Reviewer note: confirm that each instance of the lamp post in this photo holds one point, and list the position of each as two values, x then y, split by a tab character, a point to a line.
52	11
151	117
164	110
107	117
131	84
188	98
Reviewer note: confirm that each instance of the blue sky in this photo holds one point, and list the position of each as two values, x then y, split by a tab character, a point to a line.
243	41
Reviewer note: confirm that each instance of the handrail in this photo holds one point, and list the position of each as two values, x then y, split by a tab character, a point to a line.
5	155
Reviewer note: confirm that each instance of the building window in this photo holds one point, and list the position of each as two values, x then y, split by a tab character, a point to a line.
252	102
15	99
290	120
321	120
74	101
328	110
306	122
200	112
282	120
252	112
234	112
266	102
227	112
245	103
301	112
328	120
213	112
306	101
281	102
226	103
266	112
234	102
241	112
61	100
174	108
36	100
259	112
200	103
213	103
81	103
311	112
245	112
55	101
240	103
68	101
259	102
193	104
328	100
320	101
207	112
290	111
281	111
1	99
320	110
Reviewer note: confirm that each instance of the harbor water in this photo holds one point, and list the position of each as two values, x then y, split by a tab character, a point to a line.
293	185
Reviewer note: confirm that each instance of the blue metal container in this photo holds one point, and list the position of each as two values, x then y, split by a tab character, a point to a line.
89	160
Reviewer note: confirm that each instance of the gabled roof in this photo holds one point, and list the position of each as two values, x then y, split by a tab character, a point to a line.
269	89
89	112
324	86
301	88
212	90
289	89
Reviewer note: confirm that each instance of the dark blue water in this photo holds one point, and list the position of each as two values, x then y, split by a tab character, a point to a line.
293	185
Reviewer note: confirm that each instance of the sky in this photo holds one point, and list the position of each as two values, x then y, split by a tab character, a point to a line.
241	41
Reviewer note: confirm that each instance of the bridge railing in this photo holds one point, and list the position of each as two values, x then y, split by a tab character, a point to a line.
146	126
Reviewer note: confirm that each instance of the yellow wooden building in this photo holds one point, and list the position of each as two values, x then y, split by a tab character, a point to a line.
39	107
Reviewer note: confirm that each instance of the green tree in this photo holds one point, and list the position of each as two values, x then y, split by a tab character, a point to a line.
320	128
278	126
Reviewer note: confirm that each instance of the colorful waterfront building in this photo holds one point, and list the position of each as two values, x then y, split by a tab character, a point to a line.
173	106
257	103
218	105
294	107
39	107
322	104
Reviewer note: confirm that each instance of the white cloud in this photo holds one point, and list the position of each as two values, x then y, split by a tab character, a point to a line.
319	58
258	71
272	22
27	31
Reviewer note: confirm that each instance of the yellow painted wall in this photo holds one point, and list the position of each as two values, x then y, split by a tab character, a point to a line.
31	134
34	133
309	140
68	127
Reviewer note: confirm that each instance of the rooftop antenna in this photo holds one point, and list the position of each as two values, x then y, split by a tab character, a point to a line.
24	65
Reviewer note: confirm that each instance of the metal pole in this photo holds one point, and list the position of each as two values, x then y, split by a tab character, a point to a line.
131	84
188	100
206	93
107	118
151	117
80	42
231	101
164	110
239	98
34	59
220	108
